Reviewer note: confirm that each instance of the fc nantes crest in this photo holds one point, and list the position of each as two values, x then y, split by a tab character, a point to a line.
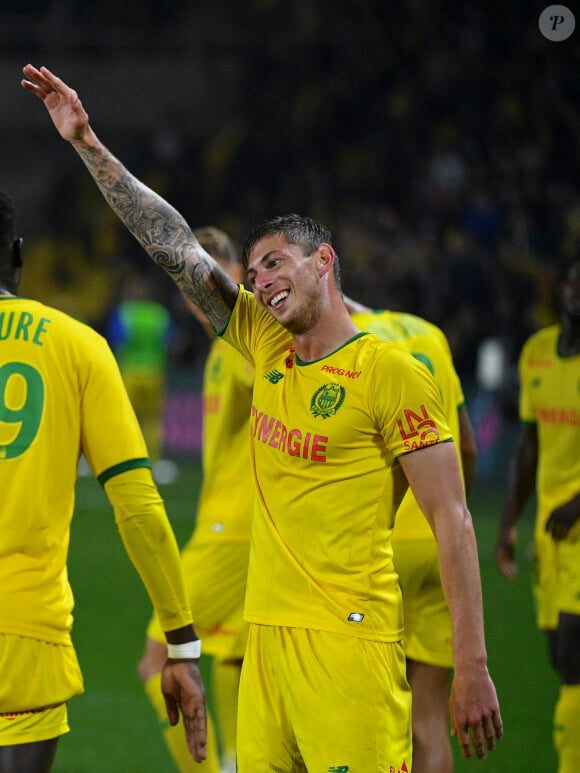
327	400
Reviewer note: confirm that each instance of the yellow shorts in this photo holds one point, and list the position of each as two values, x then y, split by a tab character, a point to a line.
428	636
215	577
318	701
37	678
556	579
33	726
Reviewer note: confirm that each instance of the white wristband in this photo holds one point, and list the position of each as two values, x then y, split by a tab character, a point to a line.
189	650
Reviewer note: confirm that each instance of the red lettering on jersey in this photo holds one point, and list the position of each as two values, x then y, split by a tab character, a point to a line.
274	440
559	416
341	371
257	416
417	425
283	436
540	363
319	448
265	428
274	433
211	403
413	445
216	629
294	438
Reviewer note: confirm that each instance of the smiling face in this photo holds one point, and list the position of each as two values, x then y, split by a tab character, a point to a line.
289	284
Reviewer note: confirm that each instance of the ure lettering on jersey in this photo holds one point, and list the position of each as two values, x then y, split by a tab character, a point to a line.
22	326
417	429
341	371
294	442
540	363
570	416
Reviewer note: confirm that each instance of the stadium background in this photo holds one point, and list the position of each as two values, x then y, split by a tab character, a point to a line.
438	140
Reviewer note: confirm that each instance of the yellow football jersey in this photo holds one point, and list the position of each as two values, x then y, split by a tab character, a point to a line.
61	395
550	397
227	493
326	436
428	344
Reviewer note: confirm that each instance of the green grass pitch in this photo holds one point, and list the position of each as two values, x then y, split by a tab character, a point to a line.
113	728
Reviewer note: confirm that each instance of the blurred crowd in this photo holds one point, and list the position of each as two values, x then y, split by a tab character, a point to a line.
438	141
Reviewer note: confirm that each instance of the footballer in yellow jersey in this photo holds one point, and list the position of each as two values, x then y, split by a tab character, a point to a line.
215	559
61	394
546	458
550	400
428	639
227	393
303	572
341	421
321	557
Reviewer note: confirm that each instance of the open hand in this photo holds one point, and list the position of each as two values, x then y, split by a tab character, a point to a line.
474	709
183	691
62	102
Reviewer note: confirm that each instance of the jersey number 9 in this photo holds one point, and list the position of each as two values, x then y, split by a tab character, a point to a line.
21	405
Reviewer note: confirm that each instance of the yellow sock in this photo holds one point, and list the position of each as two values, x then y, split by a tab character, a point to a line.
225	683
175	736
566	729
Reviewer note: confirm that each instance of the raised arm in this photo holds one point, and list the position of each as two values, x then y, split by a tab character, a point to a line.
156	225
433	474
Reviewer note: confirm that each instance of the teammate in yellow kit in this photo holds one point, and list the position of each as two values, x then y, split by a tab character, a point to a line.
341	423
215	560
546	457
61	394
428	639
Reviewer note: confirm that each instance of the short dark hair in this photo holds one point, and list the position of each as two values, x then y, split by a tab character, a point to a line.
217	243
296	229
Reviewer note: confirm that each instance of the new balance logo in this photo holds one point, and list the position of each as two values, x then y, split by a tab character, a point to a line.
274	376
338	769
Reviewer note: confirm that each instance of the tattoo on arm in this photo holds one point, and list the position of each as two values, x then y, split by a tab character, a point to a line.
165	235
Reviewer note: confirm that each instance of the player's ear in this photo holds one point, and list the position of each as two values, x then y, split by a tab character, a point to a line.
17	253
326	257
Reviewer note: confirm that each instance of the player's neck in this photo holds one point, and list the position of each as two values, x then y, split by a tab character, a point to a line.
327	336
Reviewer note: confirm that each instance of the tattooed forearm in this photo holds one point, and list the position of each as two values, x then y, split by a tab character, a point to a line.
153	222
164	234
204	279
